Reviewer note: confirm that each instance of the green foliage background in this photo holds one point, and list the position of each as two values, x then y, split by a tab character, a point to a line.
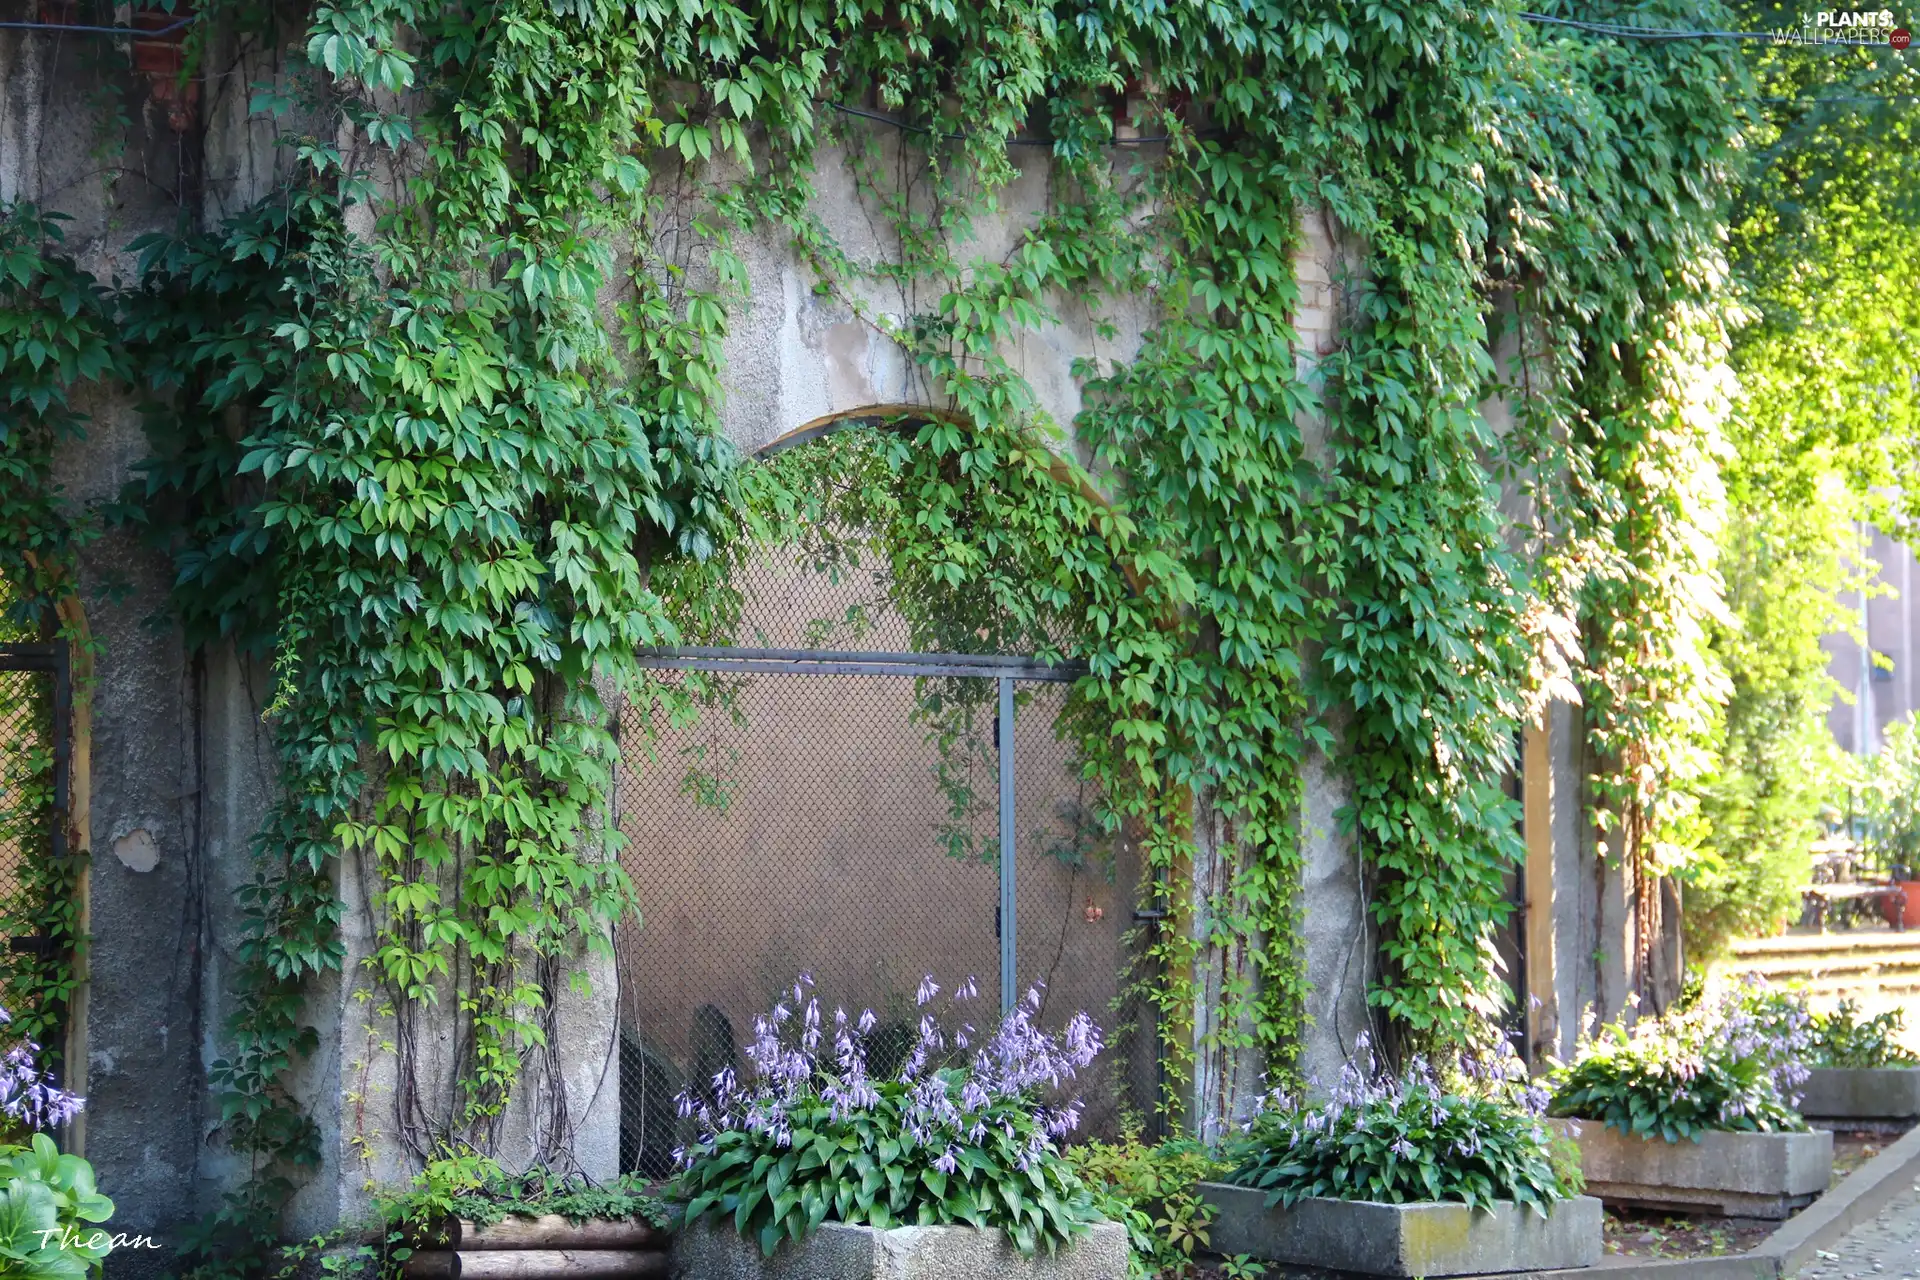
436	425
1827	428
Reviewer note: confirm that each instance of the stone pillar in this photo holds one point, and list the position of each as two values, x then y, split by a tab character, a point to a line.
1574	905
1227	1067
1336	935
1542	1011
1338	940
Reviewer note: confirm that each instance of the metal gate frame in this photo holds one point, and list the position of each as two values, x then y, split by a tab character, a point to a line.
1006	671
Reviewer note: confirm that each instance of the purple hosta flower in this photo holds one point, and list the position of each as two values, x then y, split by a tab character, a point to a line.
948	1160
28	1097
810	1029
925	1047
1082	1040
967	990
1063	1121
1402	1148
928	990
788	1068
931	1101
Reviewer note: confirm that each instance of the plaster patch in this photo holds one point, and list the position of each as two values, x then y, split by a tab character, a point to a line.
137	850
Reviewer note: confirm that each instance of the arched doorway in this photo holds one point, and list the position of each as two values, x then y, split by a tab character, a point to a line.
822	794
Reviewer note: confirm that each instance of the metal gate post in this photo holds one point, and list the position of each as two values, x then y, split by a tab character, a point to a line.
1009	950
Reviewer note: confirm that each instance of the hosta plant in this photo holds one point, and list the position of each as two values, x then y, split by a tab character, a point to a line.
1837	1039
50	1210
1843	1039
963	1132
50	1213
1409	1138
1731	1064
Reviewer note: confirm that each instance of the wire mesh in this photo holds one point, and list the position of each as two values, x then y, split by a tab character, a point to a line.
846	826
27	812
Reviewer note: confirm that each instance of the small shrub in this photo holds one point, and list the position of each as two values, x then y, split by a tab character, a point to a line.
1733	1064
1840	1039
474	1188
812	1137
1409	1138
1155	1192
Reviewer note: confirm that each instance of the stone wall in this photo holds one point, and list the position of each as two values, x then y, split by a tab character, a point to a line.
181	768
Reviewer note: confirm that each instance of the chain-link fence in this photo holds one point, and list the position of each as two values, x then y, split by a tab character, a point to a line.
27	828
828	802
36	873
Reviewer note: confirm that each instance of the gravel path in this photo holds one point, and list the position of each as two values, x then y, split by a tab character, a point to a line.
1889	1247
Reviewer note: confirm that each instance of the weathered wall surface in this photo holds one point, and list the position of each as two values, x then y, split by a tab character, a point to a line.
795	357
143	1071
177	772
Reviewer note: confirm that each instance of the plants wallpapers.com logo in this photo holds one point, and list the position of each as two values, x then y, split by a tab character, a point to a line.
1846	26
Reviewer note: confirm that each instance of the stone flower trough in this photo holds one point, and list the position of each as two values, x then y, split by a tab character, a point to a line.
1425	1239
1749	1175
1861	1093
709	1251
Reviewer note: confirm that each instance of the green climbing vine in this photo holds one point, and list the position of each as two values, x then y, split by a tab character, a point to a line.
1621	272
437	430
55	337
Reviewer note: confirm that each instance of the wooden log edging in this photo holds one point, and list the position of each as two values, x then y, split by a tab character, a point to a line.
536	1264
551	1231
547	1247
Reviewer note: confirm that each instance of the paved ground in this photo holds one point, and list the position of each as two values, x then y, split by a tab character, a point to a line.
1889	1247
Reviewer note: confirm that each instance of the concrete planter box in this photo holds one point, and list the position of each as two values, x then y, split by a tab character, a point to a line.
706	1251
1749	1175
1428	1239
1861	1093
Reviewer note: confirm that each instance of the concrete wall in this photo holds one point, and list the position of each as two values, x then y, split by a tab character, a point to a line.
163	773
